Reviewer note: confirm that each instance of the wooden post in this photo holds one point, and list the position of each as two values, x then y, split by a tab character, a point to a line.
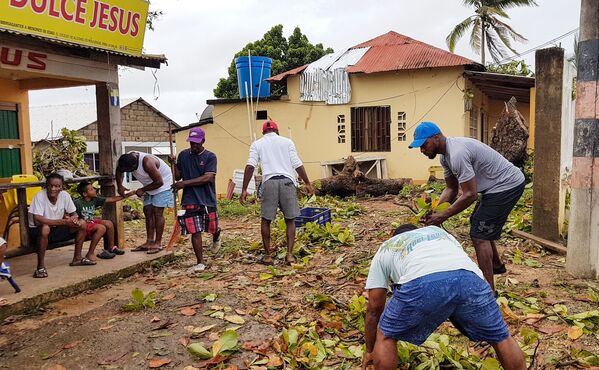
110	148
23	220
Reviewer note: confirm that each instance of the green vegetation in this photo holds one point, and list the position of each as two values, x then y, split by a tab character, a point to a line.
140	301
232	208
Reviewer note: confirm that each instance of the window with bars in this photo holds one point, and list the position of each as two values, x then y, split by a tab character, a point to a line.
341	129
401	126
371	129
474	123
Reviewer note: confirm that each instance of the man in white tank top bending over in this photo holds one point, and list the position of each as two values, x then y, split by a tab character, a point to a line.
156	177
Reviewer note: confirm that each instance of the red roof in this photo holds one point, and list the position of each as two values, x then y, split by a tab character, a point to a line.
393	52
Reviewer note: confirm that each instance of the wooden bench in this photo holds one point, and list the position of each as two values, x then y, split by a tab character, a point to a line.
21	213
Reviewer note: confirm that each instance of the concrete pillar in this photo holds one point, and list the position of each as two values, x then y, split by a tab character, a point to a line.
110	148
583	235
547	142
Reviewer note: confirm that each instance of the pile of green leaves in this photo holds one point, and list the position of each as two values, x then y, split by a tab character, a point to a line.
232	208
140	301
341	208
224	346
64	153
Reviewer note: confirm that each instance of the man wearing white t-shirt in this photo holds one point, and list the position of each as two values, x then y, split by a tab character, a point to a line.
433	280
280	163
53	218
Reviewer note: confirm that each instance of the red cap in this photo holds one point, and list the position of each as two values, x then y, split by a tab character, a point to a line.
269	125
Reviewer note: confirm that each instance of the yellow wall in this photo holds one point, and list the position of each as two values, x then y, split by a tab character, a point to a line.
11	93
432	95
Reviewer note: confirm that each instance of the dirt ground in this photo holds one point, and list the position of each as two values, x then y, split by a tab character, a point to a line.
264	306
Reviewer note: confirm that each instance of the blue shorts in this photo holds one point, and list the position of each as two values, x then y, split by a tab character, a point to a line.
163	199
419	306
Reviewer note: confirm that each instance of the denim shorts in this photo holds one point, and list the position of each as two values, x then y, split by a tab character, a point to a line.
164	199
419	306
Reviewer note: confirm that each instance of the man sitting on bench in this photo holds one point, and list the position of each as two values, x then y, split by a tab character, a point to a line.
53	219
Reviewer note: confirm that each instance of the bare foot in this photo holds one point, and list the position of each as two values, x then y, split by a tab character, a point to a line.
289	259
154	248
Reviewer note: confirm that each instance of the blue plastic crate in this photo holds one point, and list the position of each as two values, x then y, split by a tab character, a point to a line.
318	215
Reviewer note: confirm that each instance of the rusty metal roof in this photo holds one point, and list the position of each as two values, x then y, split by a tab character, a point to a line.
393	52
159	58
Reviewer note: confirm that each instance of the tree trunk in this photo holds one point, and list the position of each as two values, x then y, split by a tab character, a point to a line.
510	135
351	181
482	42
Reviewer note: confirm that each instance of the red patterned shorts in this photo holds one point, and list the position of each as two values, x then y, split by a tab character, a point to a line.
198	219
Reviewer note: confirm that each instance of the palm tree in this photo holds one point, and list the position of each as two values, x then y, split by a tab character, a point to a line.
487	28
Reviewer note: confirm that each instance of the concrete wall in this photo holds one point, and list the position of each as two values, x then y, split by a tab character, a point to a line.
432	95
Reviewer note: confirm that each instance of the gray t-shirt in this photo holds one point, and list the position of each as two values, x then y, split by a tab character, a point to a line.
466	158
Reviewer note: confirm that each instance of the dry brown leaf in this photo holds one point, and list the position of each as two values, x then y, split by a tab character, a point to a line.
155	319
190	368
574	332
188	311
159	362
551	329
184	341
274	360
72	344
231	367
235	319
57	367
213	336
168	297
240	312
107	327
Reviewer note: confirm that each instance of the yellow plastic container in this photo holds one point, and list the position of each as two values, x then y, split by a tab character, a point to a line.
10	197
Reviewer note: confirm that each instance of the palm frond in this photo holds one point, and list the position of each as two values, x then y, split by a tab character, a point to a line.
507	4
456	34
492	11
512	33
475	36
504	36
494	45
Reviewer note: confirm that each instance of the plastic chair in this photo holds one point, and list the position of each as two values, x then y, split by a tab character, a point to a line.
10	199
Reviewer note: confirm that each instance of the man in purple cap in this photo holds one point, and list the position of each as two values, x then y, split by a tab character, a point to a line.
195	171
475	168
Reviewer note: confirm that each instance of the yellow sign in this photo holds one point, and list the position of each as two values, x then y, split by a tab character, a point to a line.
117	25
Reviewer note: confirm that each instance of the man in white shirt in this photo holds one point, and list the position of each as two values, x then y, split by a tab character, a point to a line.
280	162
433	280
53	218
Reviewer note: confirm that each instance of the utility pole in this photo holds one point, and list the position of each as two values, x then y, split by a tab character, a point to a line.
583	234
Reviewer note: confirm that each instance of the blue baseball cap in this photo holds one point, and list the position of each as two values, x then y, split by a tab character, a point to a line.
423	131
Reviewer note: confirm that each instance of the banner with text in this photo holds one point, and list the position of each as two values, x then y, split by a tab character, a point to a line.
107	24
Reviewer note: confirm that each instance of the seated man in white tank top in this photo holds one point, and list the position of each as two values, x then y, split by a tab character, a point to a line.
156	177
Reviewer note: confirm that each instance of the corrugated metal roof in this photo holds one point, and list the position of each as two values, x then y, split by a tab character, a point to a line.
392	52
154	57
46	121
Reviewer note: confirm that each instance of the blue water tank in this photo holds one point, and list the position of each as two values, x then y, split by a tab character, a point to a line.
260	67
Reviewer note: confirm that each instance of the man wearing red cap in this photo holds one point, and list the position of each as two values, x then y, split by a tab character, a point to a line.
195	169
280	162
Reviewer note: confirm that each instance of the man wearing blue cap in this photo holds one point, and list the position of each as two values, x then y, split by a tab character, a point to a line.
475	168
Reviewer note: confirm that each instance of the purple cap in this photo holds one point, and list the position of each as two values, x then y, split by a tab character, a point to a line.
196	135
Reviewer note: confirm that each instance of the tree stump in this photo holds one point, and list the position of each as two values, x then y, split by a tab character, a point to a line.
510	135
351	181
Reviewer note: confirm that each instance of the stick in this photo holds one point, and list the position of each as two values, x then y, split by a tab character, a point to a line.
176	228
554	247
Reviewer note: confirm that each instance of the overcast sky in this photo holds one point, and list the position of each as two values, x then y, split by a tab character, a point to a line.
200	37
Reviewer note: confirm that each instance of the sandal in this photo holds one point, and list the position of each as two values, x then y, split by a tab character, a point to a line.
499	270
140	248
154	250
105	255
266	260
82	262
117	250
40	273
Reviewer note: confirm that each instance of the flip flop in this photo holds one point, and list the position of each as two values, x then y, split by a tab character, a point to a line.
82	262
267	260
40	273
140	249
154	250
499	270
